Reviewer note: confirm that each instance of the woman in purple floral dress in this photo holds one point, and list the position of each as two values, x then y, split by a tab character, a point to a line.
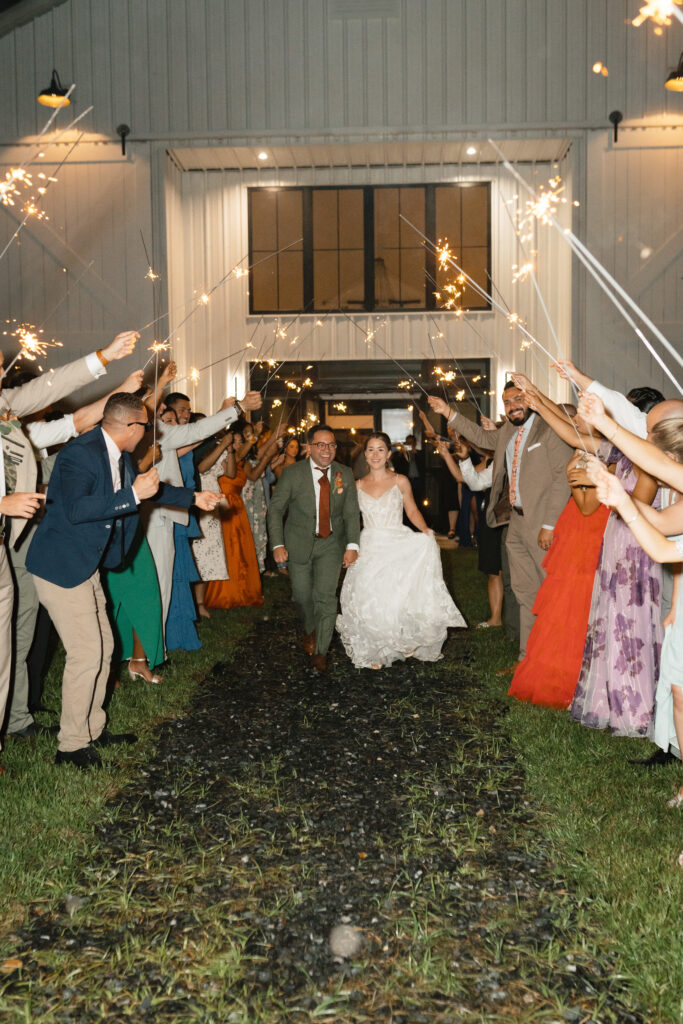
618	678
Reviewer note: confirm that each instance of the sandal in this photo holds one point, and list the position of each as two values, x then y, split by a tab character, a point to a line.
676	801
140	675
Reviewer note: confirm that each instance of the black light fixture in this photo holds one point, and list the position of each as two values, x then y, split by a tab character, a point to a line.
674	82
616	117
55	95
123	131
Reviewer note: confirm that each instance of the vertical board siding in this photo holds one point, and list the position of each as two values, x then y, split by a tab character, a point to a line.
214	239
179	66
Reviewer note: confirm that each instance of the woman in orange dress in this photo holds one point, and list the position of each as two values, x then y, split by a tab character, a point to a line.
550	671
244	586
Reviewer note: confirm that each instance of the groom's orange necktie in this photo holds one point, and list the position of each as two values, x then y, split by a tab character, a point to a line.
324	527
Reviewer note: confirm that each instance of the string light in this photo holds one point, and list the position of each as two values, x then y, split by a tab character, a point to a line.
204	299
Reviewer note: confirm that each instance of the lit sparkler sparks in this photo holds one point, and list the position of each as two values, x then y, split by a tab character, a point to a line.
405	384
276	403
308	383
660	12
443	254
459	395
150	275
340	406
194	375
10	187
520	272
159	346
240	271
204	298
33	347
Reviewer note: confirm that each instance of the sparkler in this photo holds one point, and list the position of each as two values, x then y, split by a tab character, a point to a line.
32	347
660	12
604	278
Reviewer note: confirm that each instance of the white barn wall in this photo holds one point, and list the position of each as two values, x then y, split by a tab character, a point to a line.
214	218
259	71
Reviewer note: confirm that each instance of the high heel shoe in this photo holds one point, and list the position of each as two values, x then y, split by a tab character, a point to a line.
139	675
676	801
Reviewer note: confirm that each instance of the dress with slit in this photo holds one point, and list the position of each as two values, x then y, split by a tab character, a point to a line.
549	672
394	602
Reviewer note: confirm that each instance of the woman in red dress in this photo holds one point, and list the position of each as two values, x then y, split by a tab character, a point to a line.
549	673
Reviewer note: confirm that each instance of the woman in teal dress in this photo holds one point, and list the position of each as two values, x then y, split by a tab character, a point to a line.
181	632
135	608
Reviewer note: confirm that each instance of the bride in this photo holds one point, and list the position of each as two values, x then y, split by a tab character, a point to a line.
394	602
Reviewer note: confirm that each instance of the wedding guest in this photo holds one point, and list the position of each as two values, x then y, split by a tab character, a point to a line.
479	479
243	587
253	496
549	673
529	471
160	521
291	452
19	499
90	521
181	632
649	529
43	434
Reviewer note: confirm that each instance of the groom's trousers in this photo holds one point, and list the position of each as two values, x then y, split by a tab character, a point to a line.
314	590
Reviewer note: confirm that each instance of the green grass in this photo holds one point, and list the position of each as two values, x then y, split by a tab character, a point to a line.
607	832
47	814
608	827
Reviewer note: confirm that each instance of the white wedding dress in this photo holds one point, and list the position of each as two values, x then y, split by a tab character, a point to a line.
394	602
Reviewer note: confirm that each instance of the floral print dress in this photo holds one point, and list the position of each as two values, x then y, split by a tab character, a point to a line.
618	679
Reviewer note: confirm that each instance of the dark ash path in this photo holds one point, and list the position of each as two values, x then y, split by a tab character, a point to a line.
284	804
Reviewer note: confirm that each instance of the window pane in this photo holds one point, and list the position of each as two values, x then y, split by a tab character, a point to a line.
289	218
412	278
325	279
351	218
412	203
386	218
352	279
263	220
387	284
264	283
475	263
475	215
447	201
291	281
325	231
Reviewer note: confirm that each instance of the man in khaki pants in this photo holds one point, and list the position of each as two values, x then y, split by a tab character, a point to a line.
19	499
91	520
529	466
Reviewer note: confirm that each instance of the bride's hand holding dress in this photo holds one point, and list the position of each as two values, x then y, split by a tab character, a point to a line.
394	602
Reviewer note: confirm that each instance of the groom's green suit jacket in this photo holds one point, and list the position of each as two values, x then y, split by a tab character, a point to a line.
294	496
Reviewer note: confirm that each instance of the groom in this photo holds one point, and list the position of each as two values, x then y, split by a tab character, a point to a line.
320	536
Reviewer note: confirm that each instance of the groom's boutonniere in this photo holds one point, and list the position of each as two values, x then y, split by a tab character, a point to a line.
338	483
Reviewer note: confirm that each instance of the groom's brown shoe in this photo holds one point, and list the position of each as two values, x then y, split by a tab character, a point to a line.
319	662
308	642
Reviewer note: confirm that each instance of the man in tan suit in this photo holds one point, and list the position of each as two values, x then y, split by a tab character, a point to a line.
19	500
529	467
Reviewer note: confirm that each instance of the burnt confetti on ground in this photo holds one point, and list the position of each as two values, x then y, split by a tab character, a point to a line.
356	847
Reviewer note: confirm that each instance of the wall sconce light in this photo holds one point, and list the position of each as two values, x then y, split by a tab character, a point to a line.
55	95
123	131
616	117
674	82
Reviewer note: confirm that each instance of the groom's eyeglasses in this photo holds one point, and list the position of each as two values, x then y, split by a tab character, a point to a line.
324	444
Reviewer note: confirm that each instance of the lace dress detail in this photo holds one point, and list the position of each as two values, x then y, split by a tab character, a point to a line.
394	602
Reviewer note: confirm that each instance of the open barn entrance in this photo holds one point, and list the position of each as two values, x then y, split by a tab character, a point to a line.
356	397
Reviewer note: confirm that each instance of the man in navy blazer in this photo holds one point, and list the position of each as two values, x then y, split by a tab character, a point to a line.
91	518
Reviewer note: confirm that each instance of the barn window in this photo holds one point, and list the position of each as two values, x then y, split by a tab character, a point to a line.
354	248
